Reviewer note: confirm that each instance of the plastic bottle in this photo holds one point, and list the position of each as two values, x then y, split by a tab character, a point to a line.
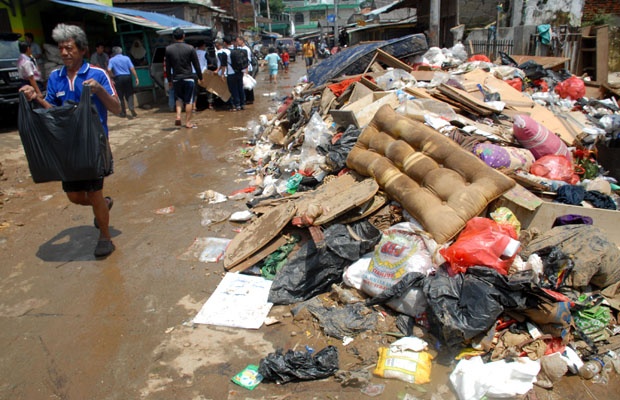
603	376
590	369
614	360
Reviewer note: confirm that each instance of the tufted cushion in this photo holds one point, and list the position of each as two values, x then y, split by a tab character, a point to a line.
440	184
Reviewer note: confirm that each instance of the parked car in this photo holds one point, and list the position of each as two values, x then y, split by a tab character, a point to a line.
9	78
289	45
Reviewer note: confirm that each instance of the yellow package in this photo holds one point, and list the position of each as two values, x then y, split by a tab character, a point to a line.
408	366
503	215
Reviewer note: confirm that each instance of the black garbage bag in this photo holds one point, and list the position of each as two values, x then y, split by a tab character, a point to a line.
533	70
557	266
336	154
299	366
558	76
66	143
338	322
409	281
313	269
505	59
464	305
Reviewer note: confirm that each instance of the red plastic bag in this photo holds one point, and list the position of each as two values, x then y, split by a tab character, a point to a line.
572	88
482	243
541	85
516	83
479	57
554	167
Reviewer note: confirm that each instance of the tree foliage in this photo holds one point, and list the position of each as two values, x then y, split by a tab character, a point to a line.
275	7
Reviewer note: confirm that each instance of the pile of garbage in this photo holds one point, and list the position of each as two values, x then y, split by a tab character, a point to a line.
462	197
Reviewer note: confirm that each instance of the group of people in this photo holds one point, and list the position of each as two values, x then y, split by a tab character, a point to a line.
109	79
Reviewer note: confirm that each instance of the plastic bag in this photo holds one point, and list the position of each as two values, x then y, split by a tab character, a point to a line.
339	322
66	143
483	242
402	250
573	88
299	366
479	57
554	167
314	267
408	366
248	82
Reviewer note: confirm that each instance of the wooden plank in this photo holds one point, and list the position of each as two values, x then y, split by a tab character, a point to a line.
359	90
461	96
366	114
546	62
344	118
274	245
365	210
257	234
345	200
391	61
371	85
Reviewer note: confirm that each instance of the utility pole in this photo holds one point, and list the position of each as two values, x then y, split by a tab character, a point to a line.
433	34
269	16
336	36
254	13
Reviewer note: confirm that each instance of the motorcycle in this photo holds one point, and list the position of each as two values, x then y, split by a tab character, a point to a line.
323	51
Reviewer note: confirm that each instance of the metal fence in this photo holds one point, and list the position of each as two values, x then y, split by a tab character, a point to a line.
489	48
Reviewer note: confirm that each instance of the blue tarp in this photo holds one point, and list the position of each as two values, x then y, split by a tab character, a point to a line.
354	60
143	18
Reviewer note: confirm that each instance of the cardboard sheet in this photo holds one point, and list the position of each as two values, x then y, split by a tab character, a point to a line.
239	301
216	85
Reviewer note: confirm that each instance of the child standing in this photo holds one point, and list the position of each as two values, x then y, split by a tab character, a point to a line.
273	60
285	59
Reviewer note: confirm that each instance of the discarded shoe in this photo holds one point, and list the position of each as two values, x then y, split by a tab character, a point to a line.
104	248
110	202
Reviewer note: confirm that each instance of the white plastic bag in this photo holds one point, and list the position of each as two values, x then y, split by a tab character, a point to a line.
473	379
402	249
248	82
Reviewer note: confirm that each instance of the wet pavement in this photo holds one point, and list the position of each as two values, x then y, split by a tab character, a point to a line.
72	327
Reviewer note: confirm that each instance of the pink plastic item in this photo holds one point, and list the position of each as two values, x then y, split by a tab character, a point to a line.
538	139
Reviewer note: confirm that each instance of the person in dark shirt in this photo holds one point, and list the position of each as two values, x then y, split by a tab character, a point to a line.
180	59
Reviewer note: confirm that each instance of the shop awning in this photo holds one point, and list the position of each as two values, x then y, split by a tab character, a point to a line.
143	18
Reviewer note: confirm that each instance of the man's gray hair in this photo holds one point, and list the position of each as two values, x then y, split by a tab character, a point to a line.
116	50
63	33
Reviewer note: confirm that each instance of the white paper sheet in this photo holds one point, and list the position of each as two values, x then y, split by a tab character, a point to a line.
239	301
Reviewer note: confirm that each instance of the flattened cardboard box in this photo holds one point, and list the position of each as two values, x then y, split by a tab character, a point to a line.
541	214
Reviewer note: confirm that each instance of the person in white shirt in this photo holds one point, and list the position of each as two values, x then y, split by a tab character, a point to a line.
37	54
249	93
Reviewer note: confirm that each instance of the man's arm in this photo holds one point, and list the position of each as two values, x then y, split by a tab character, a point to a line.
31	95
135	74
110	102
168	68
196	65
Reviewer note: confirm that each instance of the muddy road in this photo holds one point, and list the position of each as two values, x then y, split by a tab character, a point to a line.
72	327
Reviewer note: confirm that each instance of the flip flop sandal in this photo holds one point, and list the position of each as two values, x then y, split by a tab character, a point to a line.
110	204
104	248
193	126
177	122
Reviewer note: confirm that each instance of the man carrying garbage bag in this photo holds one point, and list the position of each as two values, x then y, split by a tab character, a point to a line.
66	84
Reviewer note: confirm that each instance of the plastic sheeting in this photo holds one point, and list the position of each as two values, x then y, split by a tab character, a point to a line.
354	60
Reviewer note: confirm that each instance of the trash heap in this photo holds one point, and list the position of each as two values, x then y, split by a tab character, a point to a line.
462	199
